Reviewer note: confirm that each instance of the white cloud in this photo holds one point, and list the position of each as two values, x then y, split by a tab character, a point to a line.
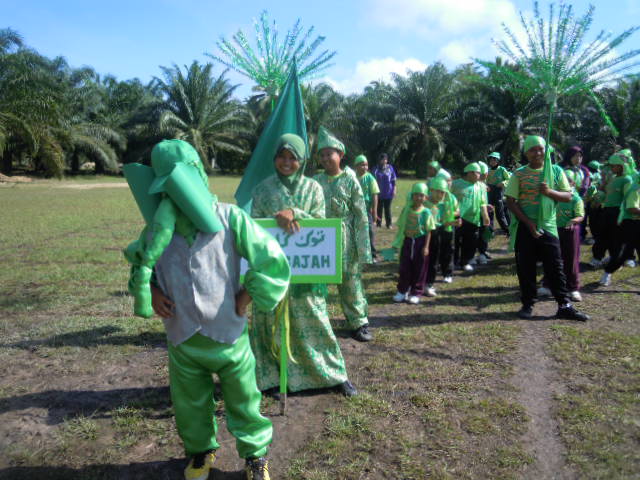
376	69
431	18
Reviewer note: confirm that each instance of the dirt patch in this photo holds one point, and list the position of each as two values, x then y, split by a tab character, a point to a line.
90	186
538	383
15	179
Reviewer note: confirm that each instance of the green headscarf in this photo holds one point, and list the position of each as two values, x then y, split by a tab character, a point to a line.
296	145
439	183
420	187
360	159
327	140
533	141
473	167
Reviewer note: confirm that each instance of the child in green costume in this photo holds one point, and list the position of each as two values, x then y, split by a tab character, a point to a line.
197	293
370	190
344	199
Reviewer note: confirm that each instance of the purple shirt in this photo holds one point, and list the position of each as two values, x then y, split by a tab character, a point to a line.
386	178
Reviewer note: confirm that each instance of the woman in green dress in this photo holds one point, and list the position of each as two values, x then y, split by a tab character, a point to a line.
289	196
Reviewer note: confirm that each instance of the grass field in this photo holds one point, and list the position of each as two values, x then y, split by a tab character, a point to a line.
455	387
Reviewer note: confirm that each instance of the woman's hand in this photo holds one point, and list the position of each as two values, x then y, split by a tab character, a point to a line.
286	221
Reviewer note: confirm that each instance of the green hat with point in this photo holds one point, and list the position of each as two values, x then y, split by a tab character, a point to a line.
326	139
420	187
473	167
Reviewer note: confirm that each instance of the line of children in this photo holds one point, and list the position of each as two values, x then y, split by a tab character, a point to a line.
414	234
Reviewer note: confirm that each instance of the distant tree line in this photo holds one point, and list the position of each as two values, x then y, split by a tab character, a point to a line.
55	118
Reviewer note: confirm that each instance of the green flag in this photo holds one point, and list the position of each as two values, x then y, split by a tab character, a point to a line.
288	117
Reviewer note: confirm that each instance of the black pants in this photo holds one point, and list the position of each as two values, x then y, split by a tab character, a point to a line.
624	245
372	235
384	204
440	254
594	215
500	212
466	242
483	245
528	251
608	238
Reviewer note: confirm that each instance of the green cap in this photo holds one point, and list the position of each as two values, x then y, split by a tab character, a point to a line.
571	175
495	155
484	168
327	140
420	187
293	143
533	141
594	164
472	167
439	183
360	159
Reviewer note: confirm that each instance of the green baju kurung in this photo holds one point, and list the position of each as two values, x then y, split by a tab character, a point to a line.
313	344
344	199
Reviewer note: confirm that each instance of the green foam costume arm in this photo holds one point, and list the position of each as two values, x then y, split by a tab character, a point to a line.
267	279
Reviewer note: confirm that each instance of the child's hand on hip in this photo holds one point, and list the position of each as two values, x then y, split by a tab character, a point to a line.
243	299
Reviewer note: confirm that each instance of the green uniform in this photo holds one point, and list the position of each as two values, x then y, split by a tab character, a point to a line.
313	344
569	210
369	187
498	176
471	197
615	190
631	200
344	199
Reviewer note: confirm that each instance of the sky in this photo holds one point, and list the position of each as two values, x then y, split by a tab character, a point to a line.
372	38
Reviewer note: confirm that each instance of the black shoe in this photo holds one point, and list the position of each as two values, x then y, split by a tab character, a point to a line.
567	312
273	392
347	389
362	334
257	469
526	312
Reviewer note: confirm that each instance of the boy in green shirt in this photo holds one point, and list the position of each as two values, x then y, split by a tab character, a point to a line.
472	199
497	181
370	192
536	233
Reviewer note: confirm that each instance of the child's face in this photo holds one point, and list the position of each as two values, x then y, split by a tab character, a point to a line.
493	162
535	155
362	168
431	172
472	177
437	195
286	163
576	159
418	199
330	160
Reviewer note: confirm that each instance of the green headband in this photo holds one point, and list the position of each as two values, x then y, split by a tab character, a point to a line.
533	141
360	159
472	167
327	140
420	187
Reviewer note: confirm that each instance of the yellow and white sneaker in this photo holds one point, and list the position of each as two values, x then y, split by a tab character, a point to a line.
199	466
257	469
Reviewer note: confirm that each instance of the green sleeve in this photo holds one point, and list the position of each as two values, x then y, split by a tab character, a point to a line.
268	276
562	184
402	220
317	204
513	187
578	208
361	223
633	199
375	189
430	223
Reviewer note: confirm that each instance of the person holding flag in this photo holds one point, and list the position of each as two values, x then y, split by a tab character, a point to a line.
532	193
289	196
344	199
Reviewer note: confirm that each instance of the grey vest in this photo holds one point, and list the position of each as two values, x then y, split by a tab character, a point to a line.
202	281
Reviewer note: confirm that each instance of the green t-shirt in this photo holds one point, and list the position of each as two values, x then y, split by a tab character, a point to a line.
615	191
418	222
497	175
369	188
569	210
471	197
524	186
632	200
436	213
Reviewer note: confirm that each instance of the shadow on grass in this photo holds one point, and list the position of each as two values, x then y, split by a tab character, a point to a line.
161	470
64	404
91	338
461	297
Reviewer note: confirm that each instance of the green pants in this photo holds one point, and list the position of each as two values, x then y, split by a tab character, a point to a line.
191	365
352	297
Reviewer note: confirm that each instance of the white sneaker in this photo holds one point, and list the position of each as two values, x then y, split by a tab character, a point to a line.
605	280
400	297
595	263
468	267
414	300
431	292
543	292
630	263
482	260
575	296
448	279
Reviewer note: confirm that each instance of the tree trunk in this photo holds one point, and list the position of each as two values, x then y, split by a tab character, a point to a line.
7	164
